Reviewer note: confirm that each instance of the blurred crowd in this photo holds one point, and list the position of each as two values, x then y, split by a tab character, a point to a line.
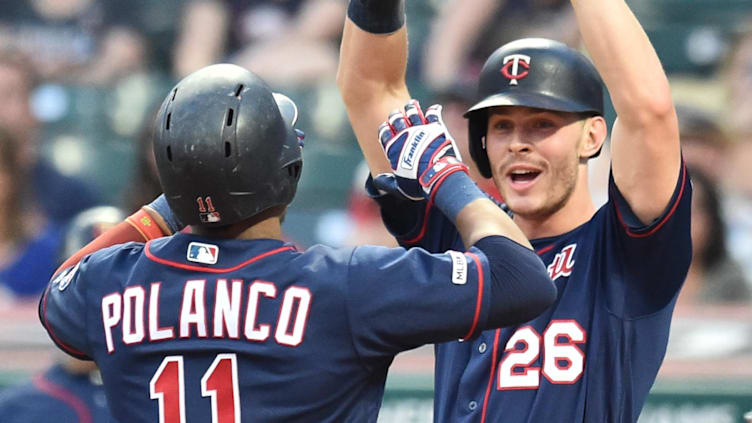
81	79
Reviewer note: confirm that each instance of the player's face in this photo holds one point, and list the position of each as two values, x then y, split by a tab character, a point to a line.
534	156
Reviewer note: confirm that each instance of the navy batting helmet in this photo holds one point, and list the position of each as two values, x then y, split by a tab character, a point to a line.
225	147
532	72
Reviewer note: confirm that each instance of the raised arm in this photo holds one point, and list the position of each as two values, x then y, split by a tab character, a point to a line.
423	158
153	220
645	137
202	35
371	73
452	36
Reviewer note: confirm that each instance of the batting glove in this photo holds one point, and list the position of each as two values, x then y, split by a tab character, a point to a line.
420	151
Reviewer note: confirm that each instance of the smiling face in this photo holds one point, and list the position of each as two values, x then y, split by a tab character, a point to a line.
539	158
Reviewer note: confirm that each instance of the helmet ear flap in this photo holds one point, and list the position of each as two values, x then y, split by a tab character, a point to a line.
477	127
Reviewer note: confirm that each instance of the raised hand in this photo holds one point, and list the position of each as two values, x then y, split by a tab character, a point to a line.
420	150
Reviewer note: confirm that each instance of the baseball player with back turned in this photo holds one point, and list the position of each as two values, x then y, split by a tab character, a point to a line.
593	356
231	324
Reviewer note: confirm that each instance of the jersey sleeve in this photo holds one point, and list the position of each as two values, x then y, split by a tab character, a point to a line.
415	223
650	262
62	311
398	299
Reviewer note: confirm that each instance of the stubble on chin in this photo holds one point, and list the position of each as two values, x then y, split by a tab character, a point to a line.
557	193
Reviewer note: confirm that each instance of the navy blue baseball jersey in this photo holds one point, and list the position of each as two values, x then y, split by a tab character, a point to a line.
70	398
593	356
189	329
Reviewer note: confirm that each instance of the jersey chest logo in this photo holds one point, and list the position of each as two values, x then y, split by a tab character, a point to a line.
202	253
563	263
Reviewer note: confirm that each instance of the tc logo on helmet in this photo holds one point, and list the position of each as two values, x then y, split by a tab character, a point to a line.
512	64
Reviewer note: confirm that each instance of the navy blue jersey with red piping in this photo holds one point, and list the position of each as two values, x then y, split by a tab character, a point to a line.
268	333
593	356
71	398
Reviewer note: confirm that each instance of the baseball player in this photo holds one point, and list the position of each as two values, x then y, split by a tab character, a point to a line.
593	356
229	323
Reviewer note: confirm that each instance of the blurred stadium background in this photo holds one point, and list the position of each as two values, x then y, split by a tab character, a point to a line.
80	80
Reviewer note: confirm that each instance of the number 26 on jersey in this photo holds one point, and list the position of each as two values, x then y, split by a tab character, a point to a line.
563	360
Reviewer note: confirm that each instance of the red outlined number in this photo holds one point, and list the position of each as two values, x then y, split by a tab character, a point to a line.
209	204
166	386
529	377
202	208
220	383
563	360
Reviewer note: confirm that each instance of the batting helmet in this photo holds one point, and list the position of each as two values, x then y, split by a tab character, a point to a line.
225	147
88	225
532	72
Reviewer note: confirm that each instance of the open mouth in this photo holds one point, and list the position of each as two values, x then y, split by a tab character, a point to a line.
522	178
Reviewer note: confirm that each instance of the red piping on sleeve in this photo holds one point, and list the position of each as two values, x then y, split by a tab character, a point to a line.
57	340
665	218
479	300
422	232
429	206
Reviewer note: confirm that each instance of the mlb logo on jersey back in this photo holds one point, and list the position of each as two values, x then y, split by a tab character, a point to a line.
202	253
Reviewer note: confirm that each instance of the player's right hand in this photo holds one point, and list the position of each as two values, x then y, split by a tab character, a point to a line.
420	150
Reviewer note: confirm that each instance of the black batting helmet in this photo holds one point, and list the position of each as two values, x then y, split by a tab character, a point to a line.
225	147
532	72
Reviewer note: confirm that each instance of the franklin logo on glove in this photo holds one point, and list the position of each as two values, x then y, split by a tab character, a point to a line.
420	152
408	160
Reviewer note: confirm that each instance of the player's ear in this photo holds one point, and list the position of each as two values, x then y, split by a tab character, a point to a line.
594	133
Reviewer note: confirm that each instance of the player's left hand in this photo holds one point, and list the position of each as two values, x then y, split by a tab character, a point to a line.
420	151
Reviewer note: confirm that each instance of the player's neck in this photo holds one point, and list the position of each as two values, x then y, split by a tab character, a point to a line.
270	228
266	225
578	209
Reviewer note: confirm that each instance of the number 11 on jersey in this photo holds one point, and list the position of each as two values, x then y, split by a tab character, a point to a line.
220	383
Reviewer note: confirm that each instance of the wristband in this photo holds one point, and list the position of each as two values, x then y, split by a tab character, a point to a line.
160	206
145	225
377	16
456	192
